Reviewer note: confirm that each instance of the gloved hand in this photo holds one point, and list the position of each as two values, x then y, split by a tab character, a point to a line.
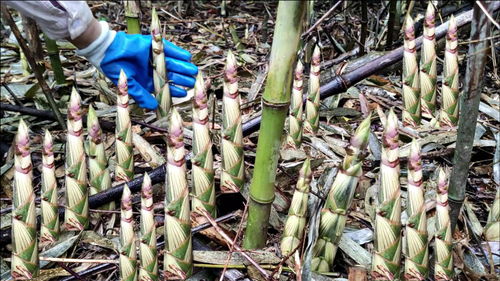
113	51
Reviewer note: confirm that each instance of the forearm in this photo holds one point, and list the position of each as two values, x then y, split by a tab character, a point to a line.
88	36
71	20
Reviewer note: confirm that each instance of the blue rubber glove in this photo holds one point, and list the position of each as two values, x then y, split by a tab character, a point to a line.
113	51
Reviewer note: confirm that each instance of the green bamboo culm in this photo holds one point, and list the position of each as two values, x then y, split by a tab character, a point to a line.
132	13
296	221
76	216
334	215
55	60
178	260
49	231
128	255
428	73
276	100
24	264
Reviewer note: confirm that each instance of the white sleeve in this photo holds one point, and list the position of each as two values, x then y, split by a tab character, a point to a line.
58	19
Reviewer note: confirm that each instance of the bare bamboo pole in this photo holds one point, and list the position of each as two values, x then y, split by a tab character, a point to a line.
276	100
469	105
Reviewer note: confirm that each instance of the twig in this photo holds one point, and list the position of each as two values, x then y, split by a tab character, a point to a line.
238	266
70	271
155	128
29	56
28	110
327	14
68	260
234	245
350	35
16	100
238	232
488	15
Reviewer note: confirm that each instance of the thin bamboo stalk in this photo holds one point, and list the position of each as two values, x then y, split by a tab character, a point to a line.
469	104
124	148
233	164
76	217
49	231
275	106
443	269
428	73
387	240
55	60
24	264
178	262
